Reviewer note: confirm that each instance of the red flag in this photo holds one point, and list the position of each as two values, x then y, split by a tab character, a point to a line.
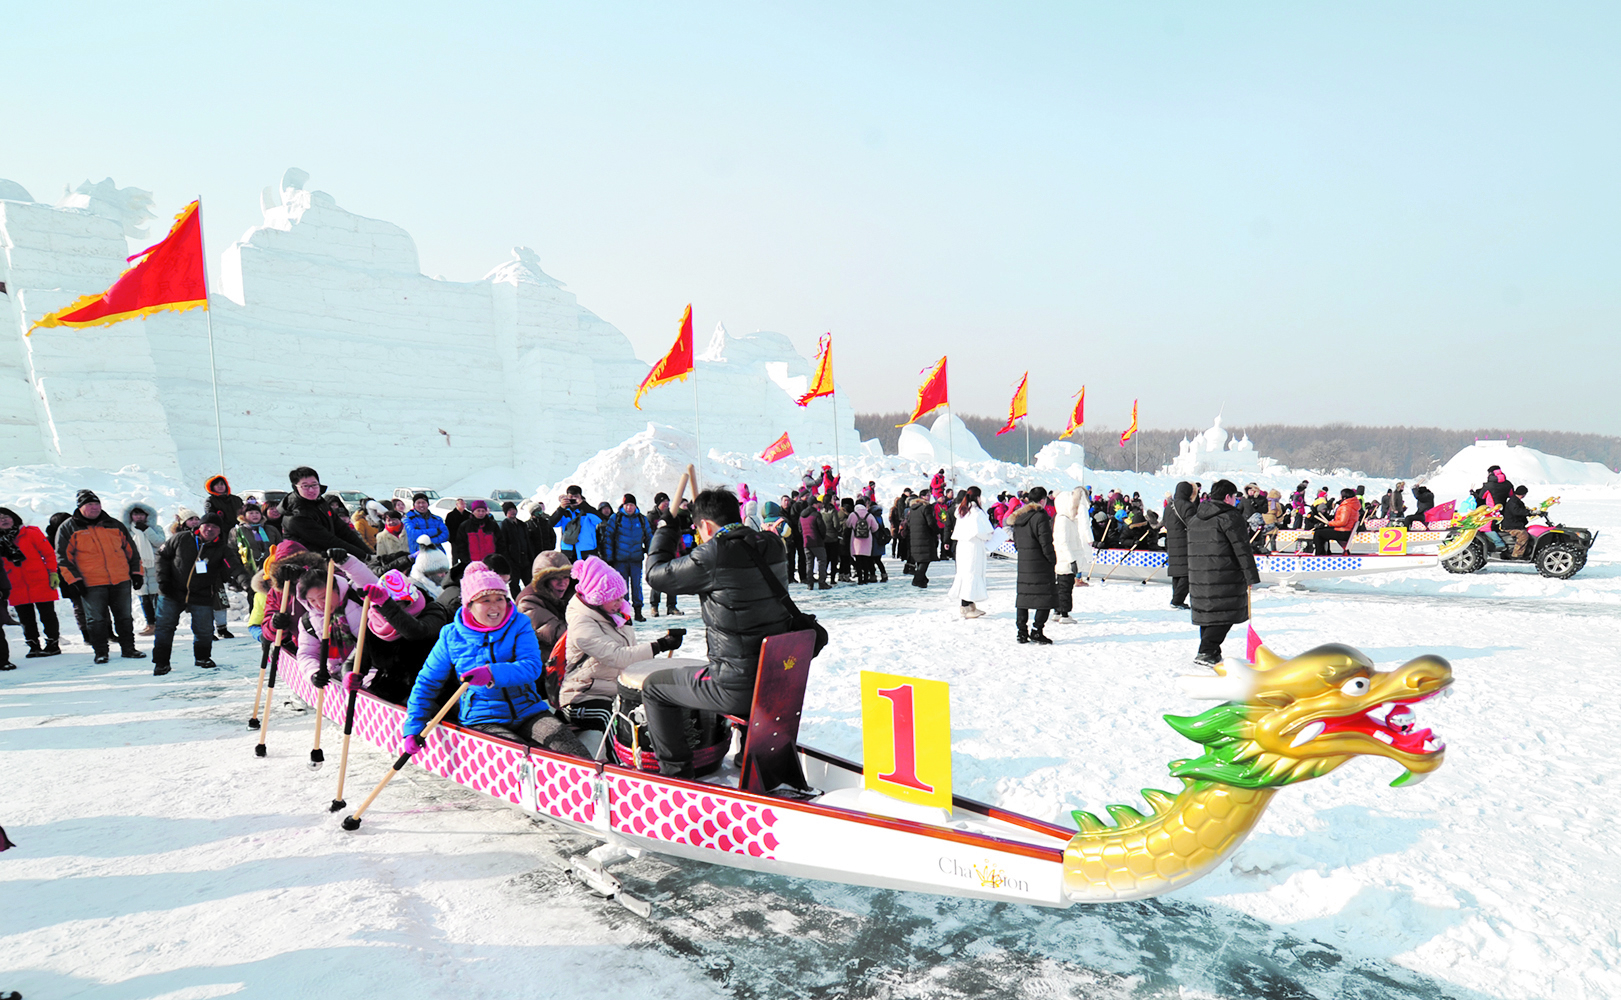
821	383
1133	428
169	276
1441	512
674	366
1077	417
1018	409
1252	642
780	449
932	394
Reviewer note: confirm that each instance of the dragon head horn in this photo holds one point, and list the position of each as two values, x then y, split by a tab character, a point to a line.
1238	683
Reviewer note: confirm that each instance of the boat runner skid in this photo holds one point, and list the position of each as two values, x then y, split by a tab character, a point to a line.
844	834
1148	564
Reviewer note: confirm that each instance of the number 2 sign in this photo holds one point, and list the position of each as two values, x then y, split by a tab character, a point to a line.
906	738
1392	541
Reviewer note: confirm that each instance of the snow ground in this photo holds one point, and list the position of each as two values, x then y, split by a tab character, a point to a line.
159	858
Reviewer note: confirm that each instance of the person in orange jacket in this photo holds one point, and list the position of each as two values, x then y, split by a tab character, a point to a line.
100	565
1340	528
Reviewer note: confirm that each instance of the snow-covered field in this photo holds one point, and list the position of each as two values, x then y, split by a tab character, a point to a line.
158	857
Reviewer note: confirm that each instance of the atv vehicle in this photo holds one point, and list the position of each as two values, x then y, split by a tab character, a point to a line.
1556	551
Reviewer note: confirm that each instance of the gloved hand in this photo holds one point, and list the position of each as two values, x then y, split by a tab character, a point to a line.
339	555
136	581
411	744
281	621
479	677
377	593
56	579
668	642
320	677
75	588
351	681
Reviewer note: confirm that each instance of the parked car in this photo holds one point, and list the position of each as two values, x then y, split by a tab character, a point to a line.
499	497
407	492
353	499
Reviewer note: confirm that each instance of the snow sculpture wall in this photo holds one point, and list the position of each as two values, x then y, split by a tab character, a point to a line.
333	349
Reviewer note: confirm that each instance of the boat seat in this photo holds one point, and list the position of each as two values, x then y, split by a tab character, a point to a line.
770	756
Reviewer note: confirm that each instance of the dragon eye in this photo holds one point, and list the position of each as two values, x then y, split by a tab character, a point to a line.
1355	686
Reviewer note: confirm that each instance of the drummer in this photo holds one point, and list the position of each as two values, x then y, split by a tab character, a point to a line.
492	648
601	644
727	571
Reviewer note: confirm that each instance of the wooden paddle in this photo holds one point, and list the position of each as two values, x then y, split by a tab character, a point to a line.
352	822
264	664
349	712
270	692
316	756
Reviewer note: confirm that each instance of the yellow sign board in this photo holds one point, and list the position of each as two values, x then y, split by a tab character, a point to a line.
1392	541
906	738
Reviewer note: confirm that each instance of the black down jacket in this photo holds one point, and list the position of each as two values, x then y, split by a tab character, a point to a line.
312	524
1221	567
739	609
923	532
179	579
1033	538
1177	518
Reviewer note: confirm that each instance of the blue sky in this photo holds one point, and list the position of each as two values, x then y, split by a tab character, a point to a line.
1378	213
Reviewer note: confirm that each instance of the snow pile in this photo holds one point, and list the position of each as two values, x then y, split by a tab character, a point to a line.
1467	469
38	491
945	441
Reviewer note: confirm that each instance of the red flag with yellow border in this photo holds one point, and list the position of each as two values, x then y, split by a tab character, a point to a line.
1126	436
932	394
779	449
1018	409
168	276
674	366
821	383
1077	417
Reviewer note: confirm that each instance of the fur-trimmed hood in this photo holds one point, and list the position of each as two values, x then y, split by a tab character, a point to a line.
1024	512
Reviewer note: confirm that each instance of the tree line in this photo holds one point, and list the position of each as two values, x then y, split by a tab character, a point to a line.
1386	452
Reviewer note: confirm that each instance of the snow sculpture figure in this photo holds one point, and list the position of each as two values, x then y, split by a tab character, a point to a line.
129	207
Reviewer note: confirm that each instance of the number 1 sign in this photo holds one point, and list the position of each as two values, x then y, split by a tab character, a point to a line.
906	738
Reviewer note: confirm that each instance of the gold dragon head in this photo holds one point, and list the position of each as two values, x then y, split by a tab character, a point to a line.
1290	720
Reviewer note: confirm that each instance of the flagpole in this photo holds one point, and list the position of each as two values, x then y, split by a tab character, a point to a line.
697	426
833	397
951	448
208	315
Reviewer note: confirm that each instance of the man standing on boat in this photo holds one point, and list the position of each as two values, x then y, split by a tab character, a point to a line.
727	570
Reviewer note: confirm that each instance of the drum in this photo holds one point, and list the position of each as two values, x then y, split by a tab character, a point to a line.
708	733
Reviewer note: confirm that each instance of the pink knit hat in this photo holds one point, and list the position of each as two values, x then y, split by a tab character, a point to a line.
596	582
478	579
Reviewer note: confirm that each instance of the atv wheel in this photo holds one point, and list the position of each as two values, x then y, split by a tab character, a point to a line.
1560	561
1470	560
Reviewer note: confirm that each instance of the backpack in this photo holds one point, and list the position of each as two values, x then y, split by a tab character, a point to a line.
862	528
881	537
571	534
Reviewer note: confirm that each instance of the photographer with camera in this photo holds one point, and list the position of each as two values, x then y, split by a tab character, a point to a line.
578	525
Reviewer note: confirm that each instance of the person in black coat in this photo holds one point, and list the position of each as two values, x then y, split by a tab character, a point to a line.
1177	517
1033	538
191	567
923	540
740	608
309	520
1424	500
1221	569
512	541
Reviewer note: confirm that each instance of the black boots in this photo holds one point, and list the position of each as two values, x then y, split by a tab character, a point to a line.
1039	637
639	613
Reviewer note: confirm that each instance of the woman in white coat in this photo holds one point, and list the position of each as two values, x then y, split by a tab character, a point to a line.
1068	549
971	533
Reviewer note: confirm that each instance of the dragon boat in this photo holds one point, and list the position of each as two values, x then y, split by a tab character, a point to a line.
1276	567
1281	722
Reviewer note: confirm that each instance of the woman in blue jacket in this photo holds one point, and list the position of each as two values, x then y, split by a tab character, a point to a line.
494	649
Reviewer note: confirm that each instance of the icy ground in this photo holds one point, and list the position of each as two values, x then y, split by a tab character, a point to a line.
158	858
